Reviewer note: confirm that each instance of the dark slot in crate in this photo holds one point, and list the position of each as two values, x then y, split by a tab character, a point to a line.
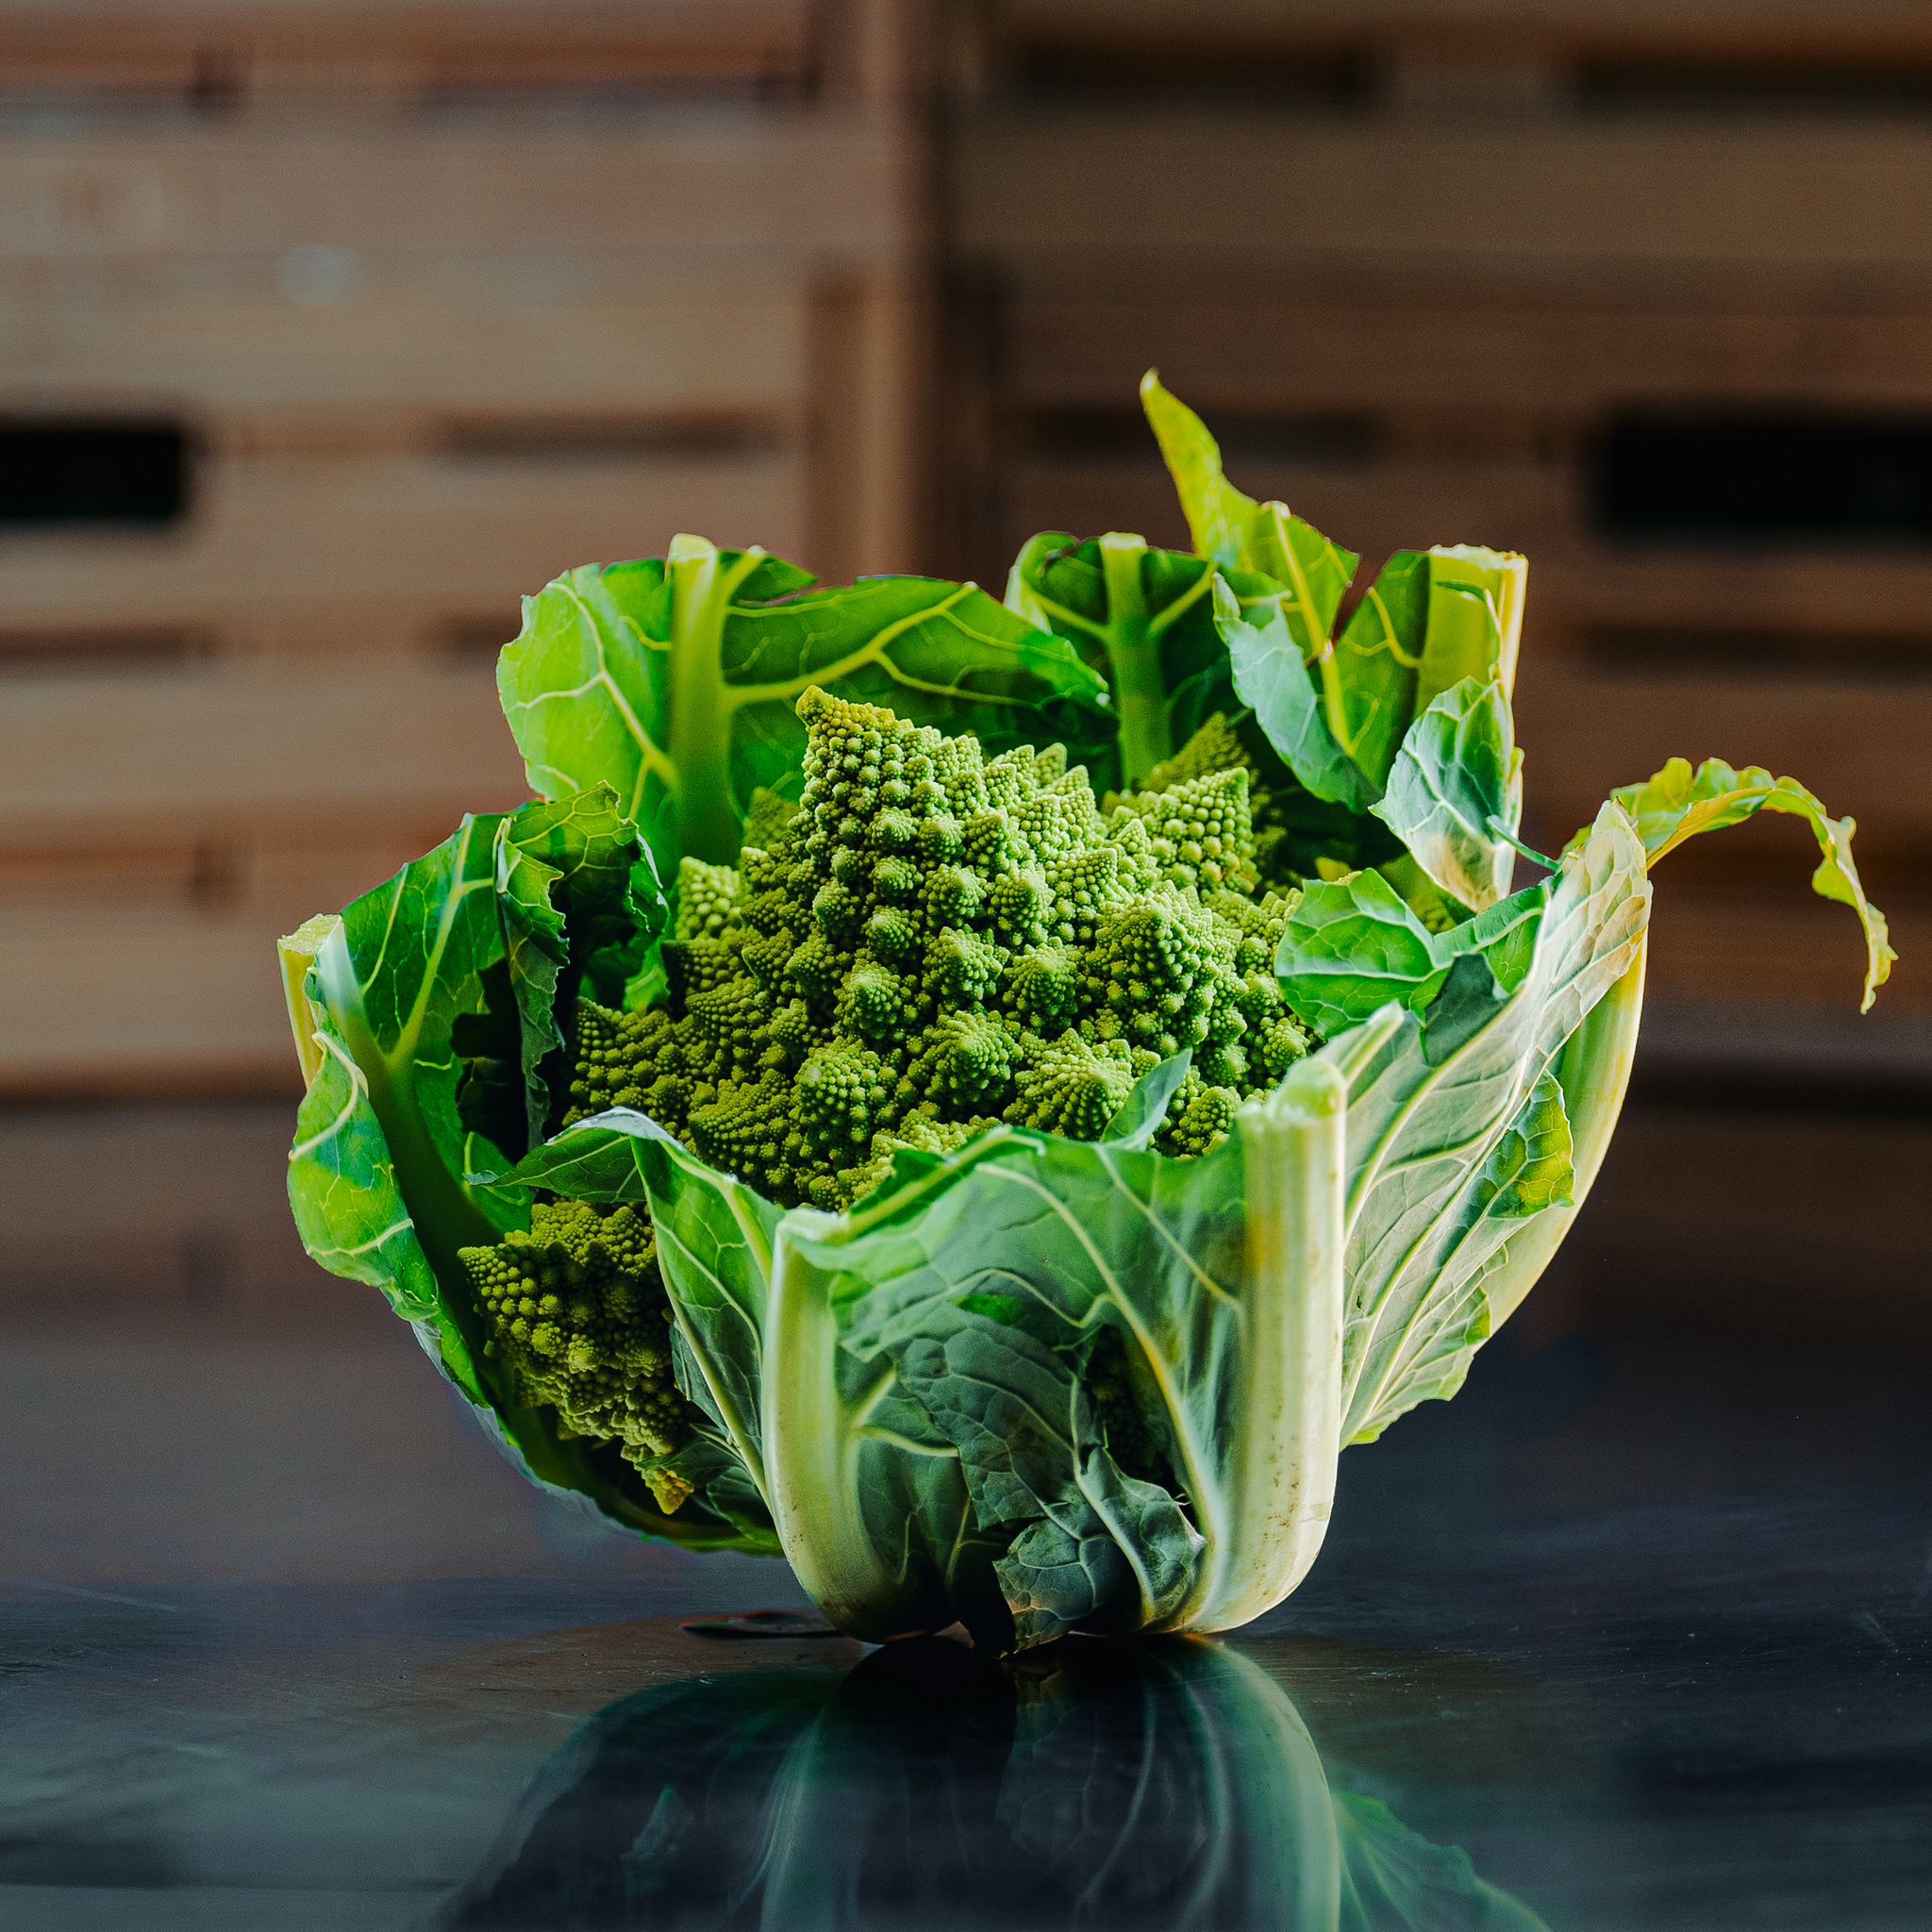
78	470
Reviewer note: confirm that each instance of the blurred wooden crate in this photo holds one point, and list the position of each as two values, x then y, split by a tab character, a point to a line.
1421	261
1686	38
246	47
433	301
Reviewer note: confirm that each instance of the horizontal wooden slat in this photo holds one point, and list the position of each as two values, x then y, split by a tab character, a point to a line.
181	1201
1760	28
105	1000
1465	354
137	966
426	40
1076	191
1781	951
368	550
798	187
126	989
1857	745
498	337
234	750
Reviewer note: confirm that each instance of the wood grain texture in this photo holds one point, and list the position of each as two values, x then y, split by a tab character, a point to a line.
1472	350
796	187
229	751
164	980
1765	30
105	1000
426	42
319	543
1080	191
495	339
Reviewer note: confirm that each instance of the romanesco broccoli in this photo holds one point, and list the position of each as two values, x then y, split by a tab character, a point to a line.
937	939
575	1309
931	943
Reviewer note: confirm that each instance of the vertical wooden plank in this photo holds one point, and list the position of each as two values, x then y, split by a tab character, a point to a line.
864	498
870	384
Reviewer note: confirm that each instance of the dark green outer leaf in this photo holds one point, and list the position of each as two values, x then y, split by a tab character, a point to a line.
714	1245
1008	1219
1096	1549
893	1502
1221	1275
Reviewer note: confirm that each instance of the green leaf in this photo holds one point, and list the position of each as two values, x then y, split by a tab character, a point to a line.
1096	1548
1528	1172
1456	777
1428	621
1377	659
1142	1112
1432	1098
1677	804
1593	1069
674	680
392	980
343	1185
580	902
714	1246
1220	1275
1353	945
387	1177
1270	677
1219	517
887	1494
1143	617
1474	619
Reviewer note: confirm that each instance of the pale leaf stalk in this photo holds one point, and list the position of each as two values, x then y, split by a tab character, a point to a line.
297	953
702	705
1133	650
811	1446
1281	1482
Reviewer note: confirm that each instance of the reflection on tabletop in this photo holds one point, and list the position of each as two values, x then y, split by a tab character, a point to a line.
1096	1783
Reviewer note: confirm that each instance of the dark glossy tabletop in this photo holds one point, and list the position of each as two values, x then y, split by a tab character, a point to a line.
1624	1637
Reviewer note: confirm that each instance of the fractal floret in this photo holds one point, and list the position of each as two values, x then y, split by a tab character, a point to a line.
988	1098
938	940
577	1313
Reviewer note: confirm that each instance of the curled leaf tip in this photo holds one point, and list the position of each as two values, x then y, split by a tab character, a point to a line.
1677	803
